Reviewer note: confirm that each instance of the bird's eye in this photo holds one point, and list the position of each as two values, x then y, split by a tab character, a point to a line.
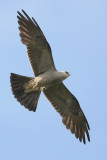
66	72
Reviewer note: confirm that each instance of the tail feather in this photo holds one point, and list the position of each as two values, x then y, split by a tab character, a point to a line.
29	100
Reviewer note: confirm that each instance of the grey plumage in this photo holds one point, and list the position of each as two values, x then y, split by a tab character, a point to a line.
67	105
47	79
38	49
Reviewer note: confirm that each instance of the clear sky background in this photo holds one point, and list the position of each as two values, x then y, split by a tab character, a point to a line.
77	33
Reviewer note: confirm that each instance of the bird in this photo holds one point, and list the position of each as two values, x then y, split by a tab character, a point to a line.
47	79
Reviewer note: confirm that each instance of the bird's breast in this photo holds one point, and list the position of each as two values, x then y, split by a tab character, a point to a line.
47	79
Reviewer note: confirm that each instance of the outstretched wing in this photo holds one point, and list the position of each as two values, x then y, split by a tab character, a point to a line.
68	107
38	49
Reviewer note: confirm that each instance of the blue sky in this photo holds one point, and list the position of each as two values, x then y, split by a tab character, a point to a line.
77	33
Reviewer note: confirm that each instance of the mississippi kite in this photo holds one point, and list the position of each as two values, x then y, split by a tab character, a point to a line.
47	79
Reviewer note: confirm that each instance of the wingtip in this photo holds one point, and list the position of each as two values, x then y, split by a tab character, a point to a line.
18	12
89	138
23	11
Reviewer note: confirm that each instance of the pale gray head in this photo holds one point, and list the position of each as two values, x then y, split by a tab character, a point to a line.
67	73
64	74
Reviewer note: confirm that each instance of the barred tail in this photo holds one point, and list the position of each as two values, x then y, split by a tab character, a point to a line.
29	100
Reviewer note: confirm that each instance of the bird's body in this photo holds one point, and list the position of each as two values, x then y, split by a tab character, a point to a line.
27	90
45	80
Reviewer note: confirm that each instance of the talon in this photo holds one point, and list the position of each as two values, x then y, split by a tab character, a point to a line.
42	88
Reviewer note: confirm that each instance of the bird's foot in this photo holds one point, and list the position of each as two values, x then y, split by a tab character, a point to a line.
43	88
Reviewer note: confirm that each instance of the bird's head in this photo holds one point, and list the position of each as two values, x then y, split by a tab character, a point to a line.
65	74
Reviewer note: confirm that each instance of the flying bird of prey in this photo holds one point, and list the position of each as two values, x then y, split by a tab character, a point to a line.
27	90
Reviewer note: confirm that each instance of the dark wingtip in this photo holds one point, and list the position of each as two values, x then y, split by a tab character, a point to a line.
79	132
18	12
23	11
